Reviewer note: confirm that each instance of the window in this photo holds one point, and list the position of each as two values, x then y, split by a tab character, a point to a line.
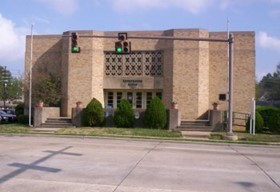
110	100
130	97
119	97
159	94
139	100
149	96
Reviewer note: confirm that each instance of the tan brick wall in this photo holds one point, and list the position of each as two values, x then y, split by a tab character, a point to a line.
191	74
218	70
46	59
185	74
84	72
243	70
203	75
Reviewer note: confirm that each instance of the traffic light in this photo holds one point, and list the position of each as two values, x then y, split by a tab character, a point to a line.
126	47
122	36
119	47
74	45
122	46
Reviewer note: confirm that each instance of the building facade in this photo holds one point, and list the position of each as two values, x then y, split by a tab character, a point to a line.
190	73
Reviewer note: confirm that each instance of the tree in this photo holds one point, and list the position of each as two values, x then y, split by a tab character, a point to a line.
124	115
12	86
155	115
15	89
48	90
269	86
93	114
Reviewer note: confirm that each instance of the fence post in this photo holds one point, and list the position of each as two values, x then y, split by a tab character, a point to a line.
254	115
251	124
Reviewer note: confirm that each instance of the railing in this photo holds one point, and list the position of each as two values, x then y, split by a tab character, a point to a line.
240	119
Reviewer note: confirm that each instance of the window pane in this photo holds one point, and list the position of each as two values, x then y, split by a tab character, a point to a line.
129	97
149	96
138	100
119	97
110	100
158	94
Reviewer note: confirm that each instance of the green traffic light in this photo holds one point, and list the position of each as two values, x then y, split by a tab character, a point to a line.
75	49
119	50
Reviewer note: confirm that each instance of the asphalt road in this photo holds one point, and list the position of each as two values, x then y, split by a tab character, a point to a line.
44	164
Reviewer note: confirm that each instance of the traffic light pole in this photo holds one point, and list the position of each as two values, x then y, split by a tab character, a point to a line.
229	41
154	37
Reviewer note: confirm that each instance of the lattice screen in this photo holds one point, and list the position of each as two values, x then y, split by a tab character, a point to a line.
135	64
152	63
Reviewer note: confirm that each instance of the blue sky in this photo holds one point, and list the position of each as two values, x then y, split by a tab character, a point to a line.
57	16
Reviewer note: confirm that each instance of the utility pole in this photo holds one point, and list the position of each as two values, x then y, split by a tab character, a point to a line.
230	85
30	77
5	81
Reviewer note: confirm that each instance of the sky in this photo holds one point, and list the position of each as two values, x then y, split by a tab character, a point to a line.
57	16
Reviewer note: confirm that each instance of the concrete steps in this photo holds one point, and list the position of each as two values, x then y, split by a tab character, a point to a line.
196	125
197	129
59	122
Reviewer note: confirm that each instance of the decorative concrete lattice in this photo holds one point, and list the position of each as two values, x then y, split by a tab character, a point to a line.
113	64
134	64
153	63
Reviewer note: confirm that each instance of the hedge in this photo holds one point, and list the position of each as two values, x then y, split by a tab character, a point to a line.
271	118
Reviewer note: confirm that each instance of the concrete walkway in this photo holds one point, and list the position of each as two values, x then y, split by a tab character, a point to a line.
45	130
196	134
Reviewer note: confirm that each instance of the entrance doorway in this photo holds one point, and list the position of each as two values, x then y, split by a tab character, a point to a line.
139	99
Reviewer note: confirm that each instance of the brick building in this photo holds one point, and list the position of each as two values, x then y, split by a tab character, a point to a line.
191	73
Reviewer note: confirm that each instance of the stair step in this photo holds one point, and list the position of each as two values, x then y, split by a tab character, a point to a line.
206	128
46	125
196	134
45	130
58	121
195	123
59	118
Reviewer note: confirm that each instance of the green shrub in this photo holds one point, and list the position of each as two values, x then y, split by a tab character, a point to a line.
19	109
271	117
155	115
273	121
124	115
93	115
23	119
258	123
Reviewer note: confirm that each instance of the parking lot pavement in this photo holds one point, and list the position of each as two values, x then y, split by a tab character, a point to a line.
63	164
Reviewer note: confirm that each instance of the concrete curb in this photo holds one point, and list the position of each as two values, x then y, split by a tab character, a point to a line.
154	139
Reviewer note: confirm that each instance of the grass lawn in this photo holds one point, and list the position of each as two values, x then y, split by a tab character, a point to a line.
14	128
243	136
138	132
135	132
89	131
